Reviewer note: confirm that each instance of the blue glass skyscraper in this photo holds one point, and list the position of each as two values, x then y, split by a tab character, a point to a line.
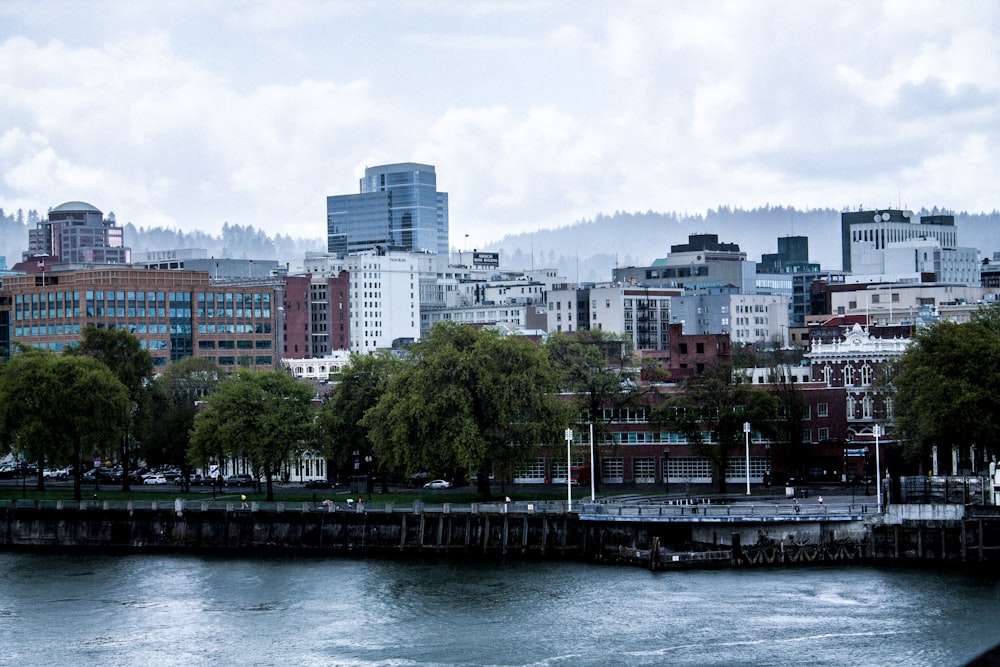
398	208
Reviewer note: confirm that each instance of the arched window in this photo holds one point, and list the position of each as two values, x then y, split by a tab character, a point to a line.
866	407
850	407
848	376
866	375
827	375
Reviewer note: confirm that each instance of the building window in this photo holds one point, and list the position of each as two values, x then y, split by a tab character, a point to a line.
822	409
644	470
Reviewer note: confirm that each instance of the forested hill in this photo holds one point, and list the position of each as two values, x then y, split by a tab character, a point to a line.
235	241
589	250
586	251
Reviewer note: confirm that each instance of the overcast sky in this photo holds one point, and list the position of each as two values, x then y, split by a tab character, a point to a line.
535	114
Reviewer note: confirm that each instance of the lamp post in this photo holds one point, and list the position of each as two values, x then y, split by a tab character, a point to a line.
746	435
369	482
569	482
666	469
877	432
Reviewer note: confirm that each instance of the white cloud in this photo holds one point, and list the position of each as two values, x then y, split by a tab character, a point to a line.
535	114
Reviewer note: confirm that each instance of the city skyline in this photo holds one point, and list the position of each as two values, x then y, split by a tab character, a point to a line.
535	115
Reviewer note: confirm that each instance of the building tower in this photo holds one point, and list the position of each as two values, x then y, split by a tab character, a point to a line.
78	233
398	208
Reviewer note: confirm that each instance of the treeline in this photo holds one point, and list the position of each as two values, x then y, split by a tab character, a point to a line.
236	241
462	400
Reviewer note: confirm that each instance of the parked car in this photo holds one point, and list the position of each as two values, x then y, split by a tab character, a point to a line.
239	480
194	480
318	484
155	479
438	484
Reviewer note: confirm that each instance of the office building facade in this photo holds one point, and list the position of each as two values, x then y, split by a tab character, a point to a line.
864	235
174	314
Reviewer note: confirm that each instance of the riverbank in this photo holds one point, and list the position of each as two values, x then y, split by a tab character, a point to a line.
658	536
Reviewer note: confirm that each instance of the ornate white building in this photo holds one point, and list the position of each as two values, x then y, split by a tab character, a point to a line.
854	363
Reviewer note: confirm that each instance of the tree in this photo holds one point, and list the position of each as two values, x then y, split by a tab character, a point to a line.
359	385
597	368
60	406
174	394
791	406
259	416
467	398
717	404
27	411
947	386
133	366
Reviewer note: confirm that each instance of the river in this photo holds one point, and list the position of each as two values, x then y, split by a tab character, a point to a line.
193	610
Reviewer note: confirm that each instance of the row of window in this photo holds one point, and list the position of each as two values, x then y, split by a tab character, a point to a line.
851	375
646	469
260	344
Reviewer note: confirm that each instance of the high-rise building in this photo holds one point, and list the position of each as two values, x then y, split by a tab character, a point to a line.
398	208
78	233
863	233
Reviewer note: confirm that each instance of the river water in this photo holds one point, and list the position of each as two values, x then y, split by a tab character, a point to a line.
195	610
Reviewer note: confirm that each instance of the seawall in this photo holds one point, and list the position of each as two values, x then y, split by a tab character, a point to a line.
657	538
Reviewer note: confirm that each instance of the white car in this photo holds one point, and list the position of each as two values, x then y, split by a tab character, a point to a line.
155	479
438	484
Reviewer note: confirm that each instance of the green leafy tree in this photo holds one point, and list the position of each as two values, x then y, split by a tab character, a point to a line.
597	369
60	407
259	416
710	412
174	395
947	386
27	411
359	385
133	366
467	398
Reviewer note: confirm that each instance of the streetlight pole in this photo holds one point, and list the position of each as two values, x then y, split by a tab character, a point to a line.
746	434
569	482
877	432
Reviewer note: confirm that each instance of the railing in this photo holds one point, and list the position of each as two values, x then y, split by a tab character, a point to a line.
237	505
695	509
756	511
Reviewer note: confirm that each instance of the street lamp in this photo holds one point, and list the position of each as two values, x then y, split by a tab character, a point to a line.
877	432
746	434
569	482
369	482
666	469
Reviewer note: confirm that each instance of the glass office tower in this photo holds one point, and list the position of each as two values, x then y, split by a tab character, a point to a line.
398	208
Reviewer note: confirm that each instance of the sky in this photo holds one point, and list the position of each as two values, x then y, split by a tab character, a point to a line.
535	114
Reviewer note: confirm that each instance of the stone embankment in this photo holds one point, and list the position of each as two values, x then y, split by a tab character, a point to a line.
657	536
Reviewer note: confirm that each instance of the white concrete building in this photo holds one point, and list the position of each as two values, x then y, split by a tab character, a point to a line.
641	312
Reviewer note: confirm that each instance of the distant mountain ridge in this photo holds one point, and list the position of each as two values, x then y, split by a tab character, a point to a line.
589	250
584	251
